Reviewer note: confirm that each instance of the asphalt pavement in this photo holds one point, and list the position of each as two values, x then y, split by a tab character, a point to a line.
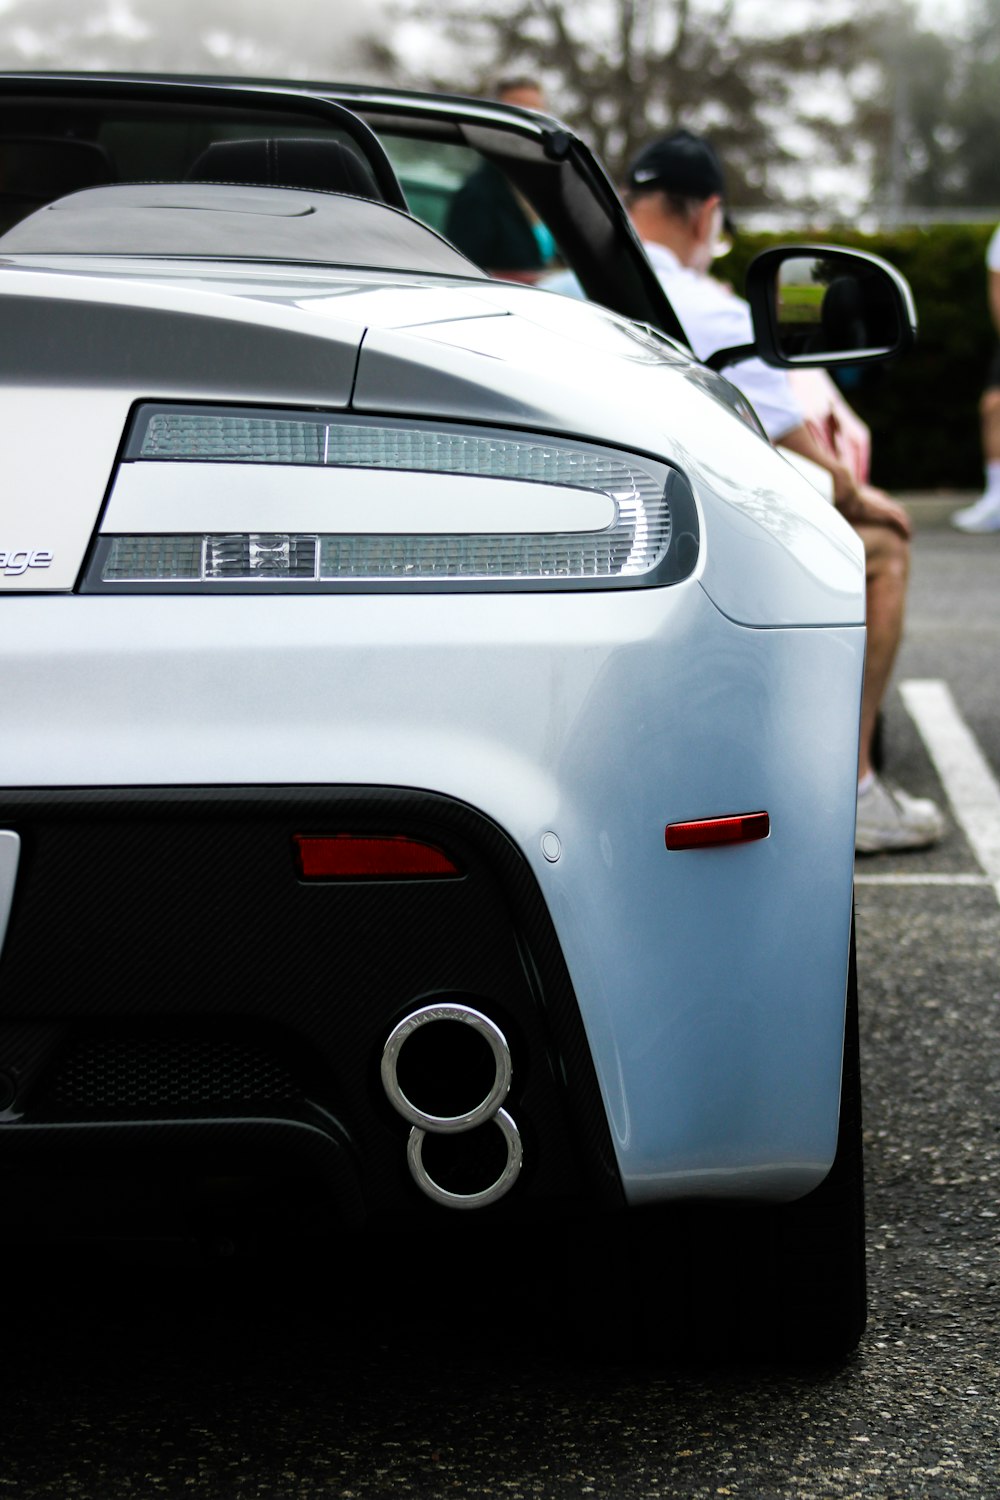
387	1379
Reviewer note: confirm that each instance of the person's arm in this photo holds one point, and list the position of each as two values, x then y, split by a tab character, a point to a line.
861	504
832	422
715	320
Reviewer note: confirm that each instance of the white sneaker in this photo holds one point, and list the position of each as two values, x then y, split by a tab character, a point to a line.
983	516
890	819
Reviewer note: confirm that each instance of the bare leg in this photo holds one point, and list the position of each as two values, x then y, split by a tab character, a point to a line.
887	567
887	817
989	419
984	514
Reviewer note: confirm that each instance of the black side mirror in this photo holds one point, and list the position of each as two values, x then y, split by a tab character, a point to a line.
814	305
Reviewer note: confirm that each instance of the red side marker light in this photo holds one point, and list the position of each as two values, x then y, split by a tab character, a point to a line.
351	856
709	833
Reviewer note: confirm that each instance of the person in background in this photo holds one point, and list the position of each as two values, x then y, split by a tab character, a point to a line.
524	91
675	195
489	221
984	515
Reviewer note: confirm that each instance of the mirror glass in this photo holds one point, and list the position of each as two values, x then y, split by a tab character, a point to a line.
833	304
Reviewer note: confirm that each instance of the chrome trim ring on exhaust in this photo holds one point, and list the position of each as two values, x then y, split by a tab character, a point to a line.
487	1195
426	1016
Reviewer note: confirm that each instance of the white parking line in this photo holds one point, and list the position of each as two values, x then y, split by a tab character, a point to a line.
926	879
969	783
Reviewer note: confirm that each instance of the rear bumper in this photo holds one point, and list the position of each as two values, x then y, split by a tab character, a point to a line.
172	988
707	986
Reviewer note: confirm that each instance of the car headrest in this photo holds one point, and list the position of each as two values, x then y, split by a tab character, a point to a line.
295	162
37	169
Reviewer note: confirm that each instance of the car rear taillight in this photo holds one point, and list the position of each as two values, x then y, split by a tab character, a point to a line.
231	499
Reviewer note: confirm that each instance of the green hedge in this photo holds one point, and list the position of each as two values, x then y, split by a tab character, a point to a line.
922	407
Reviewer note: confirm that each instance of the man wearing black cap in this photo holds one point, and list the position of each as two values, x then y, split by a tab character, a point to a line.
675	194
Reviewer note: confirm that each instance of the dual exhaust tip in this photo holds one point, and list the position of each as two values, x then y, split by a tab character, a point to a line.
446	1069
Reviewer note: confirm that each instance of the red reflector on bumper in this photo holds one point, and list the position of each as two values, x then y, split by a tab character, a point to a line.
351	856
709	833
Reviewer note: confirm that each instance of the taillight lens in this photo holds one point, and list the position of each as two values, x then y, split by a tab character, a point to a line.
359	503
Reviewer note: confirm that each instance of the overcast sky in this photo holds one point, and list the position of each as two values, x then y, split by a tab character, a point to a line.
309	37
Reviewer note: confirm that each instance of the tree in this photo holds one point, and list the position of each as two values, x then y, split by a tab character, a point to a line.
974	116
620	71
932	115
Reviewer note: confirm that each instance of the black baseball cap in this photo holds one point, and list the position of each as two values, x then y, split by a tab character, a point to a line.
681	163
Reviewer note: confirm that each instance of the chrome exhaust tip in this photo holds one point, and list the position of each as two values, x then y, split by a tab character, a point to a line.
464	1162
446	1068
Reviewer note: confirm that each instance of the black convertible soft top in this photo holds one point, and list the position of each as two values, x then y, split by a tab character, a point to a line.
221	221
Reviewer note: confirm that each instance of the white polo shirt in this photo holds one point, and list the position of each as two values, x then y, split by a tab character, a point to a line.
716	319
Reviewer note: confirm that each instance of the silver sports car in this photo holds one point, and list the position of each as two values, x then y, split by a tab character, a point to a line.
430	706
